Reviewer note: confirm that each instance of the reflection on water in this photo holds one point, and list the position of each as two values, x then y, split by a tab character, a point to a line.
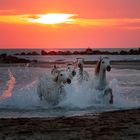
9	87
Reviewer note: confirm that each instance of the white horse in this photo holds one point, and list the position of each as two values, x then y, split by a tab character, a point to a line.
82	75
71	71
99	81
52	88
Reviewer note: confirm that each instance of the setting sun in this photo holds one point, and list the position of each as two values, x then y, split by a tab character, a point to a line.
69	23
52	18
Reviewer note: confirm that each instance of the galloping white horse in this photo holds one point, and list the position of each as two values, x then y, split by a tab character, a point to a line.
100	82
82	75
52	89
71	70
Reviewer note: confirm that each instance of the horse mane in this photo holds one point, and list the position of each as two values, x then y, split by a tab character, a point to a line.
97	68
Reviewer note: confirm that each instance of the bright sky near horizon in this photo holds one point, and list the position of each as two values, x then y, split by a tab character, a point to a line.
69	23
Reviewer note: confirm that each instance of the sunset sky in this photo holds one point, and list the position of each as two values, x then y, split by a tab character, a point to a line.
69	23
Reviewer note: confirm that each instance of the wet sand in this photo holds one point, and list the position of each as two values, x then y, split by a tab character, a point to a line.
116	125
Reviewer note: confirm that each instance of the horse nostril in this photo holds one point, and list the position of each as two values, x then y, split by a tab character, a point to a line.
73	73
79	65
108	68
68	81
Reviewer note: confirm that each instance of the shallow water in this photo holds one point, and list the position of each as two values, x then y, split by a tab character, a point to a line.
72	58
18	97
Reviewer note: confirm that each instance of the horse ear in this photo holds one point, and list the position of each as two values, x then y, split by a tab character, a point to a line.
56	77
54	67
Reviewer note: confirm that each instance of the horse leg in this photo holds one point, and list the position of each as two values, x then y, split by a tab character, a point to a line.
39	94
41	98
109	91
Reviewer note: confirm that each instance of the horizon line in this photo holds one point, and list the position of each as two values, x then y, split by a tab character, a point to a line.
70	48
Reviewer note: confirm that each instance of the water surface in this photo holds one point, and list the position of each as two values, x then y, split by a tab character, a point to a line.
19	97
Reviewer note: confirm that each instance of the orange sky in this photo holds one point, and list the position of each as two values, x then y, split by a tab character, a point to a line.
82	23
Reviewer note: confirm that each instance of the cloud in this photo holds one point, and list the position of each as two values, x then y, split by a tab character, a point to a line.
73	19
32	16
52	18
7	12
110	22
86	8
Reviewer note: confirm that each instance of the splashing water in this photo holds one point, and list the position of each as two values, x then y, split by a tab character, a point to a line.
84	97
19	96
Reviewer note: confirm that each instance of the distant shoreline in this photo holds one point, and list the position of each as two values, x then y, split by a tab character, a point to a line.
24	57
87	51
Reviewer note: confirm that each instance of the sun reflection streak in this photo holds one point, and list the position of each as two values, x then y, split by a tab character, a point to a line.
9	87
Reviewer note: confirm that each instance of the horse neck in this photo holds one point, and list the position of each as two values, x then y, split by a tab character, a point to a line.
58	84
81	70
102	75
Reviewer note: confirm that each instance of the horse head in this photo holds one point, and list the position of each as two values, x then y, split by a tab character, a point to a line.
62	77
71	70
80	62
104	64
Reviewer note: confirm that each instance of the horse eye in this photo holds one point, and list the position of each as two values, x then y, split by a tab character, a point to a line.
103	62
61	74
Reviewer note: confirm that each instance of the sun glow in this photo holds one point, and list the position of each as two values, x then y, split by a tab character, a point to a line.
52	18
73	19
